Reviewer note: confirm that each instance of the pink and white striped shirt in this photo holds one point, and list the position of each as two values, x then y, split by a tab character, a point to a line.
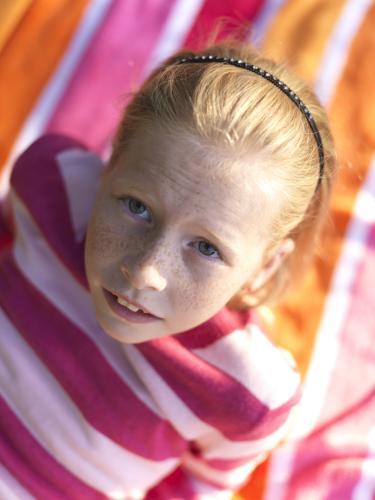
83	416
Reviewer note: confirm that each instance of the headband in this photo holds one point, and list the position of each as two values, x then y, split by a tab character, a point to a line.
281	85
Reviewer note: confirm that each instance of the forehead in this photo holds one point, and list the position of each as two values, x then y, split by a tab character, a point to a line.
184	172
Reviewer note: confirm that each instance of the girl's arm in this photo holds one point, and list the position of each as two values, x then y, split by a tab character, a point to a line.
245	391
215	468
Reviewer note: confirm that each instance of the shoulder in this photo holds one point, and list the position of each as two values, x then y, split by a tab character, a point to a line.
251	358
46	156
230	374
264	384
237	344
53	186
56	177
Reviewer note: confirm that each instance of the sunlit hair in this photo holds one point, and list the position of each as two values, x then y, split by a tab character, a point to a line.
233	112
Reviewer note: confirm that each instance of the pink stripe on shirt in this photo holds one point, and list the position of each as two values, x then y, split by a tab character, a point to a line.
167	489
203	387
33	466
51	211
83	372
223	323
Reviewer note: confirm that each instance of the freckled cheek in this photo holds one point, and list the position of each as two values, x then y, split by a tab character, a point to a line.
103	242
209	291
109	243
107	235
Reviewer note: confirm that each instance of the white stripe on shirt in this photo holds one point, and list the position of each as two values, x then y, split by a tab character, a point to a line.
47	412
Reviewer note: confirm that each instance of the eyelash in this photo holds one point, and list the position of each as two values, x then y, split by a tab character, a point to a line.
129	198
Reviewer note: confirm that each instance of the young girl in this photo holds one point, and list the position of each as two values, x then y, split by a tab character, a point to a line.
132	363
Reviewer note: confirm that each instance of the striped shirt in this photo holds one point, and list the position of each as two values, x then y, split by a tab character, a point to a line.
83	416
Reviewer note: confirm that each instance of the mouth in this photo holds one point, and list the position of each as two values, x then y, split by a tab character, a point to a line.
117	305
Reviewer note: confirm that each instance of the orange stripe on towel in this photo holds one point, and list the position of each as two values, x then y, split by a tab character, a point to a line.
352	116
29	58
11	12
298	35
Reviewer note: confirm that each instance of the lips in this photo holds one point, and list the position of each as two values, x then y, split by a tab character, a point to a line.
126	313
124	297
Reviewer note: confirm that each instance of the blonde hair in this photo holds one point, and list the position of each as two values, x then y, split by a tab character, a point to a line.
234	111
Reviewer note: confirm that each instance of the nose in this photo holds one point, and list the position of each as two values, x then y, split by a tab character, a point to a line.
144	271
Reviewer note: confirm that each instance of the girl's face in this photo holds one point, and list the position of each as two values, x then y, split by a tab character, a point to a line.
172	234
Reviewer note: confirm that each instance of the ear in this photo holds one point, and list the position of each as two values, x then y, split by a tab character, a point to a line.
285	248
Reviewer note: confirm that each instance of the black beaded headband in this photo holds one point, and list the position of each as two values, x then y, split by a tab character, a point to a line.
281	85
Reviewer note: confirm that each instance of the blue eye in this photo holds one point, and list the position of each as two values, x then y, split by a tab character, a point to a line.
207	249
135	206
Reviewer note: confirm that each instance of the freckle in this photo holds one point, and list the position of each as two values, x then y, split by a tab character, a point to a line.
188	299
104	241
102	244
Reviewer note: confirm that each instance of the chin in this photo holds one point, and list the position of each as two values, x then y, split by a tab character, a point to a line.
116	334
120	338
127	335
